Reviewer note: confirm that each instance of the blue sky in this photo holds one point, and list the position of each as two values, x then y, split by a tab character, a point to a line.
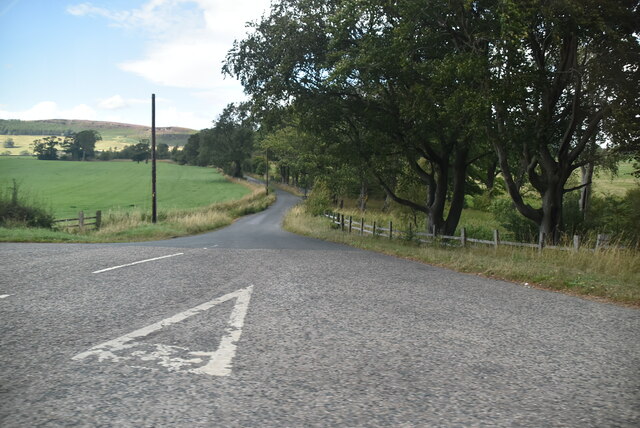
102	60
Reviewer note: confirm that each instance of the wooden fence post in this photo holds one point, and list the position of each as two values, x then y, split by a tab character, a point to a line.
362	226
463	236
602	241
81	221
350	223
576	243
98	219
374	229
496	238
342	222
390	229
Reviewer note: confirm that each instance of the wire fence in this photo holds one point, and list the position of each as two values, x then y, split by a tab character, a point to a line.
349	225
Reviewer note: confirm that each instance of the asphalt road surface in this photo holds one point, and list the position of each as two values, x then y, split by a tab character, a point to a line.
252	326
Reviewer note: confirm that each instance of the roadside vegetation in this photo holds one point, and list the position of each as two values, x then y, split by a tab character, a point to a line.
612	274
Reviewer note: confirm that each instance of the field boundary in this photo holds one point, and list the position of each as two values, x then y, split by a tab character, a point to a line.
348	224
81	221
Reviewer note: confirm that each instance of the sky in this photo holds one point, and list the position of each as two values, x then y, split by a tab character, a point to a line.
102	60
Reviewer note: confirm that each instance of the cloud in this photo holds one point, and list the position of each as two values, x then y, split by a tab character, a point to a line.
51	110
187	40
116	102
170	116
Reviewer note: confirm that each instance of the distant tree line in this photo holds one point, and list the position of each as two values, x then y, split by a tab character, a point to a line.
76	146
140	152
20	127
81	147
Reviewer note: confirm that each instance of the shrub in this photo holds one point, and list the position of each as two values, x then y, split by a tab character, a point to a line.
319	199
523	229
15	210
482	201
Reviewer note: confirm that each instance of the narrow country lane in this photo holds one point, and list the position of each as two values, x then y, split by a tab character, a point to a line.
252	326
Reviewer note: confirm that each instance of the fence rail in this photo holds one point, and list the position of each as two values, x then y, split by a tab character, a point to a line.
82	221
349	224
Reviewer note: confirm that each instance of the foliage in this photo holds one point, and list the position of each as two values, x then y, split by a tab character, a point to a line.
228	145
319	201
47	148
563	79
81	145
140	152
16	210
616	216
380	86
523	229
9	143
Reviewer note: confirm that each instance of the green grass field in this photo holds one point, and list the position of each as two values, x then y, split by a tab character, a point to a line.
604	183
69	187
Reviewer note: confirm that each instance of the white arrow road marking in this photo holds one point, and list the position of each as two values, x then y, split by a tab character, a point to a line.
174	358
4	296
136	263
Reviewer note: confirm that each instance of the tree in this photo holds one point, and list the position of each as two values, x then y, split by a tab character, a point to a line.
81	146
564	79
395	85
162	151
46	148
141	151
9	143
228	145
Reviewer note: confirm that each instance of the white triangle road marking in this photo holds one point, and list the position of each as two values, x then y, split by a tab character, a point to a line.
174	358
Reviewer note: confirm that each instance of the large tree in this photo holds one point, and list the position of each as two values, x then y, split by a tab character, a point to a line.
47	148
82	145
227	145
564	79
394	84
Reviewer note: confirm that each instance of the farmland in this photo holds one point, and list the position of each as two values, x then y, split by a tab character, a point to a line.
114	135
68	187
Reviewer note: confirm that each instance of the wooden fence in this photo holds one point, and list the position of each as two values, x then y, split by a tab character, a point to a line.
350	225
81	221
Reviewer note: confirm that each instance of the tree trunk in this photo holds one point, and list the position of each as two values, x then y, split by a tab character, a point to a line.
457	198
551	223
435	216
585	192
491	174
364	195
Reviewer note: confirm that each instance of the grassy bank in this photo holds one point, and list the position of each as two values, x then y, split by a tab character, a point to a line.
612	274
135	225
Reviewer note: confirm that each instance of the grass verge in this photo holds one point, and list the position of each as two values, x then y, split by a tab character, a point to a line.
612	275
135	225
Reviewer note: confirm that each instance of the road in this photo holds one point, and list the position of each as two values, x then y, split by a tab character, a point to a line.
252	326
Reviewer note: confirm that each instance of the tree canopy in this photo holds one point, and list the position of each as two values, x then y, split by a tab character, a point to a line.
438	98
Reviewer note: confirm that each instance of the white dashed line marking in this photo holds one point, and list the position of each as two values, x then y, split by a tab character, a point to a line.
138	262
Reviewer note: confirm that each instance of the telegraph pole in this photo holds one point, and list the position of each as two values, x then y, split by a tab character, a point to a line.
267	180
154	210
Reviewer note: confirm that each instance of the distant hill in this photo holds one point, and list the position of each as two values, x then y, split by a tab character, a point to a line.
109	130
